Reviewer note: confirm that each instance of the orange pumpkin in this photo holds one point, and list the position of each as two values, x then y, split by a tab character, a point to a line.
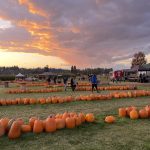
147	108
50	124
70	122
60	123
38	126
77	120
110	119
26	128
82	115
15	130
4	122
2	130
143	113
122	112
20	121
42	100
90	117
32	101
31	121
134	114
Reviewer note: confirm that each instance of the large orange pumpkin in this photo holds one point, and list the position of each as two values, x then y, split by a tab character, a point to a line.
77	120
110	119
134	114
15	130
122	112
38	126
70	122
147	108
90	117
50	124
143	113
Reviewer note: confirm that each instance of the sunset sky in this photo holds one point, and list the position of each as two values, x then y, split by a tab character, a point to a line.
85	33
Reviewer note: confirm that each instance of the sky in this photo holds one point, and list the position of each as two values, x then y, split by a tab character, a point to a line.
62	33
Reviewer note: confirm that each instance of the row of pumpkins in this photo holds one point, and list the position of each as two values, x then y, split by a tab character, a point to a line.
107	88
18	91
15	127
91	97
134	113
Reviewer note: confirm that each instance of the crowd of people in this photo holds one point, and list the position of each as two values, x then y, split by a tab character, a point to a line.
74	83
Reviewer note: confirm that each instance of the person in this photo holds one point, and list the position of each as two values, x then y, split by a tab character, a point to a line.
49	80
73	84
65	79
94	83
55	79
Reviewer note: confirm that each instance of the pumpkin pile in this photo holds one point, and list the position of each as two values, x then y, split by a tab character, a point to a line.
58	99
18	91
133	113
15	127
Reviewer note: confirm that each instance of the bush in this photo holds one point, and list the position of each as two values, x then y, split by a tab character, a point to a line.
7	78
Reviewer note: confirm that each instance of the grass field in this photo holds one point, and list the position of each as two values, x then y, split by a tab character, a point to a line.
125	134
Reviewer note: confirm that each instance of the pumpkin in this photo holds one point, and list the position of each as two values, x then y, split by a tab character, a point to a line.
134	114
70	122
77	120
26	101
38	126
20	121
32	101
31	121
26	128
82	117
60	123
90	117
65	115
42	100
15	130
50	124
4	122
143	113
147	108
2	130
110	119
10	124
122	112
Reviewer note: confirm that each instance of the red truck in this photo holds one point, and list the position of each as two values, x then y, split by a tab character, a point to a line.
117	75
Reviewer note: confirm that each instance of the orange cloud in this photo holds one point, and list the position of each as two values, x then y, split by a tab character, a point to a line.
32	8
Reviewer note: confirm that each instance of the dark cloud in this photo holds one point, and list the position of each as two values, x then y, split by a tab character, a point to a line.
86	32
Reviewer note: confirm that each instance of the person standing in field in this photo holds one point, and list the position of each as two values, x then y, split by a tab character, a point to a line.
65	79
94	83
73	84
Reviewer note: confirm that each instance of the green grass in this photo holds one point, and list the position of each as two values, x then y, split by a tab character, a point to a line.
125	134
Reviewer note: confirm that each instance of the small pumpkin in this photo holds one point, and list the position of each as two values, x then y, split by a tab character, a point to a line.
143	113
134	114
90	117
110	119
122	112
82	115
